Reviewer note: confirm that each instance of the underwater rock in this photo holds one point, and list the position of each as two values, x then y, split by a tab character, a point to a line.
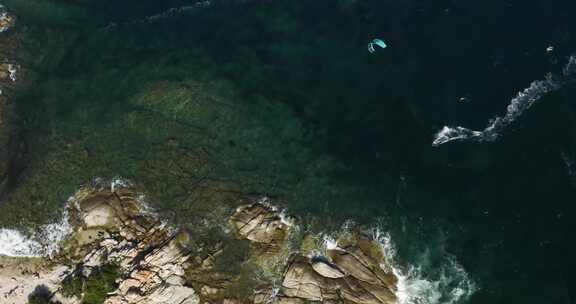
11	151
8	72
7	20
4	139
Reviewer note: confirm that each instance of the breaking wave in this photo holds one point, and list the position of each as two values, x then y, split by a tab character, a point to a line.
448	284
418	282
518	105
45	242
13	243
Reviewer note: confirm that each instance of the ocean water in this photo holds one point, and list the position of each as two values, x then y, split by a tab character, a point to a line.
457	140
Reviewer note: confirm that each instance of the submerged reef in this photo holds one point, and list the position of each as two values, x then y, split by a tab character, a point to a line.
8	80
157	115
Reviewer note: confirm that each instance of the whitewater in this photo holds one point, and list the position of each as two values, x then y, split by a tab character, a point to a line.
448	283
518	105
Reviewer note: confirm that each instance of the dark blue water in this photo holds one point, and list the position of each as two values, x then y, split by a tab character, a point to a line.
506	207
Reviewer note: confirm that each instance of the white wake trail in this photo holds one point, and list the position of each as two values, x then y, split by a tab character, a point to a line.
518	105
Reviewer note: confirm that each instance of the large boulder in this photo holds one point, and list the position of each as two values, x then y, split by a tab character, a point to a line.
327	269
301	281
150	258
260	224
348	275
354	271
310	280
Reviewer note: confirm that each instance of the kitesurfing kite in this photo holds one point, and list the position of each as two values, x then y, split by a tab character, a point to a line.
377	42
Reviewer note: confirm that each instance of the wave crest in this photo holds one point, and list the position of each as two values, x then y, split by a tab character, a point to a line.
450	284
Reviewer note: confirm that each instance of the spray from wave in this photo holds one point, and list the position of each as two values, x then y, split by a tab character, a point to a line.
44	242
518	105
419	282
447	283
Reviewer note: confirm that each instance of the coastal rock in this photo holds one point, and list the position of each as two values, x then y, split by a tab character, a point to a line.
8	72
352	272
301	281
327	269
19	277
345	278
155	264
146	251
259	223
100	215
358	262
7	20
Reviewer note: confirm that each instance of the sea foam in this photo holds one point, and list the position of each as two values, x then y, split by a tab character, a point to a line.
44	242
451	284
447	283
15	244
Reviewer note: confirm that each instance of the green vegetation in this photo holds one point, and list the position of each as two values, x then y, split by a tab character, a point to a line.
94	288
243	286
234	254
41	295
232	270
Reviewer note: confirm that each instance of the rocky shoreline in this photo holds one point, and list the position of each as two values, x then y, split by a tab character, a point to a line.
115	250
155	262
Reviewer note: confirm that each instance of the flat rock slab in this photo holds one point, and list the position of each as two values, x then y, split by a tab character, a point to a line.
20	276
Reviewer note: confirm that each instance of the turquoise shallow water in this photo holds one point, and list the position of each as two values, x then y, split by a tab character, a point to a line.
503	210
